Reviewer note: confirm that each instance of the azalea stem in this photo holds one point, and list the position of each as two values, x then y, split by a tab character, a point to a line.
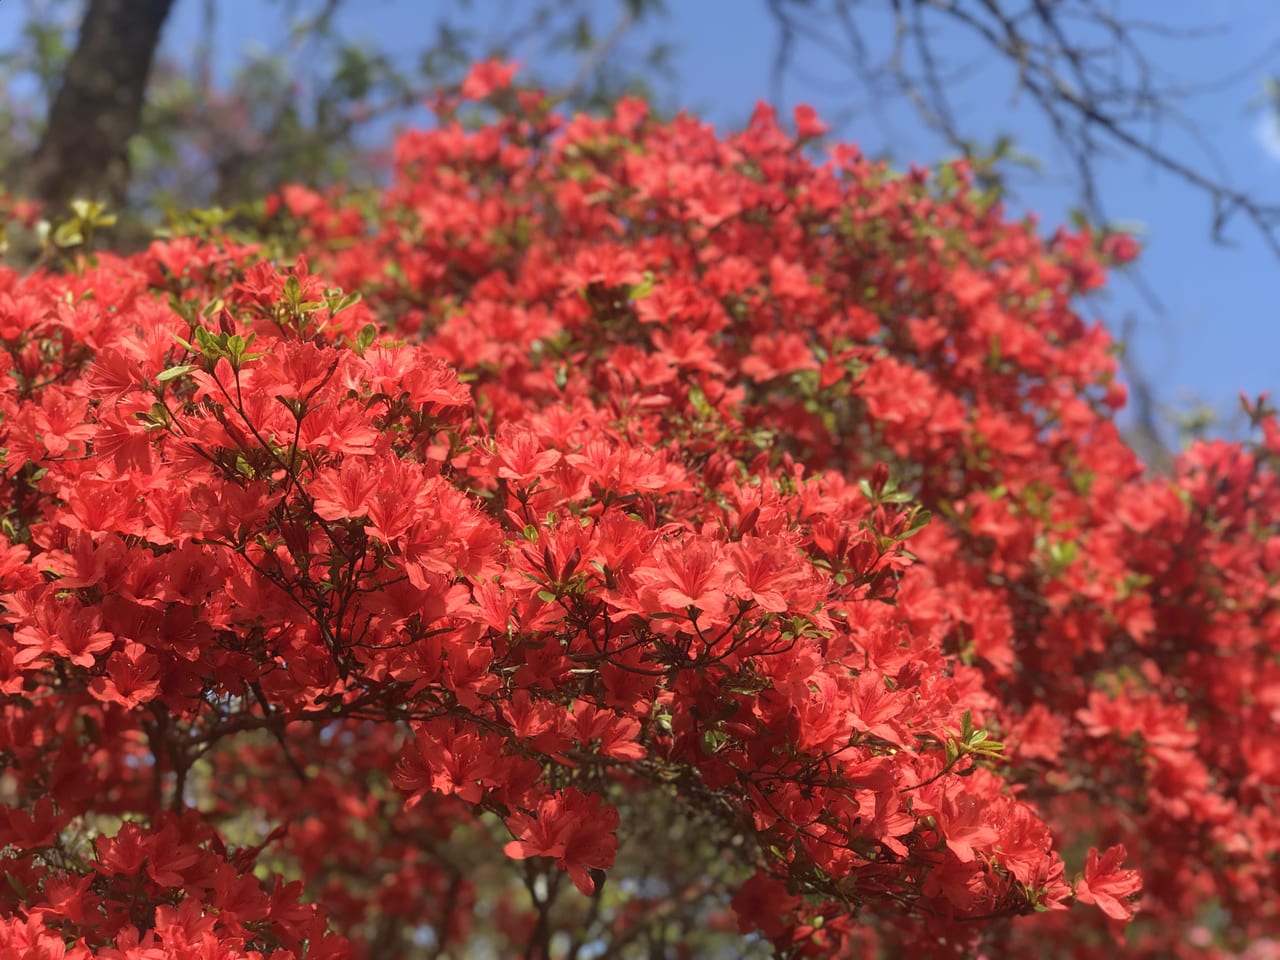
275	725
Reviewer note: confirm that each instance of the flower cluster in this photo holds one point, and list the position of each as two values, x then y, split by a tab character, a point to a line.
612	529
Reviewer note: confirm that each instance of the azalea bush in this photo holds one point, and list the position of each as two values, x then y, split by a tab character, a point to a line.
617	540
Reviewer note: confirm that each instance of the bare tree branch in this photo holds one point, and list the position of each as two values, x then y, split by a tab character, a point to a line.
1082	65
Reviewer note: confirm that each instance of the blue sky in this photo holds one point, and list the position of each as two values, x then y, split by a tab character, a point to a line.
1219	332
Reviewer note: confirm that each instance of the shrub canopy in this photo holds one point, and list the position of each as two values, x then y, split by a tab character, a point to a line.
680	540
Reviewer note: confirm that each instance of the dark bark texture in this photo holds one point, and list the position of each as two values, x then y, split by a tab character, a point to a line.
84	151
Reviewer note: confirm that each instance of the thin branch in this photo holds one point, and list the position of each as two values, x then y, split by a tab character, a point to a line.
1081	65
595	58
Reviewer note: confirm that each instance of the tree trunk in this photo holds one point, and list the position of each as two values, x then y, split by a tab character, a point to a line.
84	151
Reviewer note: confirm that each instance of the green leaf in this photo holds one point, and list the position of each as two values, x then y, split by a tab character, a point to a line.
68	234
18	886
339	302
919	520
164	376
644	288
212	346
293	292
